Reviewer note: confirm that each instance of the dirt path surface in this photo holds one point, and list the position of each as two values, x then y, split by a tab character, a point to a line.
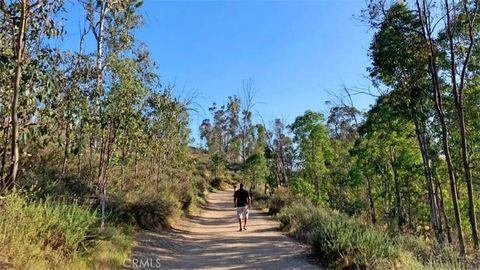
211	240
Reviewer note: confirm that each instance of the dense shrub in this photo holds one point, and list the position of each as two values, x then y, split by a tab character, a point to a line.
43	235
440	255
338	239
185	195
155	208
280	199
301	187
154	211
148	208
201	187
260	199
216	182
342	242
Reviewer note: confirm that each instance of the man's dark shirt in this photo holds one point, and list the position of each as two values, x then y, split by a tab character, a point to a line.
242	197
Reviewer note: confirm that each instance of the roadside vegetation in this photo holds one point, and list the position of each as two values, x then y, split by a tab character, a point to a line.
94	146
340	241
49	227
391	187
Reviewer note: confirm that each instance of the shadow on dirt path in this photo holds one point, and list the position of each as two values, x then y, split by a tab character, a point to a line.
211	240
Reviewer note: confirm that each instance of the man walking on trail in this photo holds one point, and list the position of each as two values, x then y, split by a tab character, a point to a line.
242	202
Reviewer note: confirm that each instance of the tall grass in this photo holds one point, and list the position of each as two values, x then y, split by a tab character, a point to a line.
281	198
342	242
337	239
44	234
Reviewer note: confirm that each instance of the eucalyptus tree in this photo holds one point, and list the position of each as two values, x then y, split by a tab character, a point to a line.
247	103
428	23
311	135
28	59
394	157
280	145
445	32
461	28
112	24
342	123
234	132
257	166
399	61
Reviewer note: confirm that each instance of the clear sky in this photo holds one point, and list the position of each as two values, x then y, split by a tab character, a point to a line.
296	51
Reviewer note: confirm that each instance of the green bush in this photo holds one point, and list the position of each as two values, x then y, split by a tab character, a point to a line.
301	187
280	199
216	183
260	199
342	242
154	211
337	239
44	234
201	187
185	195
432	254
346	242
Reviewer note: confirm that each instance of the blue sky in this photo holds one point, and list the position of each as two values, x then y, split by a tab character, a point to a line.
296	51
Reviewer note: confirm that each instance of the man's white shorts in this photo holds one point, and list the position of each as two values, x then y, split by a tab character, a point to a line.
242	212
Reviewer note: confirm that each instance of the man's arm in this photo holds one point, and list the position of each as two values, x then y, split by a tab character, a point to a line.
234	201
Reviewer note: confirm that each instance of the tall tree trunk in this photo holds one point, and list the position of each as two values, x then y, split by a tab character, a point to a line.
99	61
468	180
67	146
435	218
90	156
451	171
98	31
425	14
3	159
371	200
439	194
457	92
398	200
105	156
20	47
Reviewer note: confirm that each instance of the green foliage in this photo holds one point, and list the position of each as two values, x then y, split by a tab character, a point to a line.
433	254
311	135
99	121
301	187
343	242
281	198
217	182
260	199
111	249
339	240
45	234
155	211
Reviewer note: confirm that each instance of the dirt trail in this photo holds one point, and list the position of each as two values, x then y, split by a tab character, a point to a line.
211	240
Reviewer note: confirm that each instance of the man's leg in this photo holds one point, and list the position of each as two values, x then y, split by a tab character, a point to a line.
245	215
240	215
